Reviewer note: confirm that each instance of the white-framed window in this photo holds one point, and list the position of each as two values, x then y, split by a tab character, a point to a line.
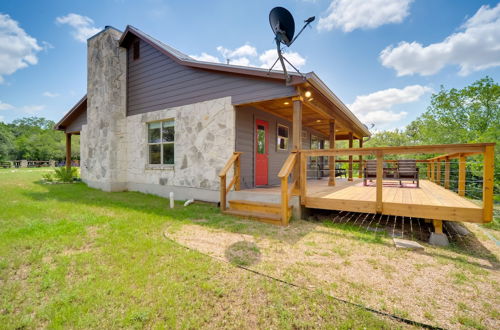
283	133
161	139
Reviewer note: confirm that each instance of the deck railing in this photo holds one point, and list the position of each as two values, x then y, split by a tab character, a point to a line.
235	162
462	151
286	188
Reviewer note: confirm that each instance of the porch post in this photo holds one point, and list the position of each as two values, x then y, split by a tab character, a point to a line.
331	160
447	173
461	174
297	123
360	164
438	173
68	150
297	133
350	157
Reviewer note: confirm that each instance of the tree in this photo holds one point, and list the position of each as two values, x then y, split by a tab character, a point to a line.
6	142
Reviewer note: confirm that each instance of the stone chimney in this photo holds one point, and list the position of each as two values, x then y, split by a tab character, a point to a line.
103	139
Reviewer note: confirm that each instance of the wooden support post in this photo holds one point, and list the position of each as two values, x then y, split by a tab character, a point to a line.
331	160
380	174
303	178
350	157
297	123
68	151
432	172
438	174
297	134
438	226
223	193
461	174
488	178
237	173
284	201
447	173
360	164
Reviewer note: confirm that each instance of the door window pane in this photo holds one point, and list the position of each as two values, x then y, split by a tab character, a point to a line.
155	154
154	132
168	153
261	139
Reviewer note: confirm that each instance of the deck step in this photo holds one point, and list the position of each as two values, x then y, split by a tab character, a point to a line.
259	207
274	219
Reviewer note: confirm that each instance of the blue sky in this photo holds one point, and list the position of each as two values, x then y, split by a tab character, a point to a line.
382	57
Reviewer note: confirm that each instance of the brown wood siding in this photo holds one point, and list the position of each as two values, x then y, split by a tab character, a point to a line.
245	142
76	124
155	82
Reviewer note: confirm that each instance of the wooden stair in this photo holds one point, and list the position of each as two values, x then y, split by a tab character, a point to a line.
260	211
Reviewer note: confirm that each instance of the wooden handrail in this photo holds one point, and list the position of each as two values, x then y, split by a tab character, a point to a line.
229	163
234	161
288	165
438	148
286	192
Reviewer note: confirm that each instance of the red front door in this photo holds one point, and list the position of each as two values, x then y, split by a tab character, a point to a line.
261	152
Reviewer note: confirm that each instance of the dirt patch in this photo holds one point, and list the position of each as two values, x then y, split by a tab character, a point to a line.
364	267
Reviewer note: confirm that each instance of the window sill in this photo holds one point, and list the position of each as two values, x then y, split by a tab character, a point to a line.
159	167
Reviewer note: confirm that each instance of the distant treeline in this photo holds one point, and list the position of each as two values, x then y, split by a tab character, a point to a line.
34	138
467	115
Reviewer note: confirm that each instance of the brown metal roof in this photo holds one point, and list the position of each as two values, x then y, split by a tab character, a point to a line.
181	58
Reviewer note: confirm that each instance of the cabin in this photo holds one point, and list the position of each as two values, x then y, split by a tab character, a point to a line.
157	121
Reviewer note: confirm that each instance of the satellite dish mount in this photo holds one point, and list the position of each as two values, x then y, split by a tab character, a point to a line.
283	26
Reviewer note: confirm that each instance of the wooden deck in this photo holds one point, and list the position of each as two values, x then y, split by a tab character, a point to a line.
429	201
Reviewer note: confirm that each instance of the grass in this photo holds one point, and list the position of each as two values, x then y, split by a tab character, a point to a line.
71	256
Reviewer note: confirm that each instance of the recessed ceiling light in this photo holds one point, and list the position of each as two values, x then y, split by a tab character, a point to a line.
308	94
286	103
318	120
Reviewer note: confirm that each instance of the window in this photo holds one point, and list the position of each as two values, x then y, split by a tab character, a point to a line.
282	143
161	138
315	142
137	49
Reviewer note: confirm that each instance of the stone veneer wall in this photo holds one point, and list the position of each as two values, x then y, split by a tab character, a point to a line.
103	138
204	141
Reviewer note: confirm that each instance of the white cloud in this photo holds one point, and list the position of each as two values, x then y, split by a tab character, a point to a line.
5	106
17	48
350	15
269	56
245	50
83	26
248	55
377	107
2	119
32	109
204	57
475	48
50	94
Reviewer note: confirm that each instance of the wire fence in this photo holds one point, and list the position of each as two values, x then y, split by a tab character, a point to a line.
318	168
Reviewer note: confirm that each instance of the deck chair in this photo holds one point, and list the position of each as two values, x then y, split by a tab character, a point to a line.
370	171
407	171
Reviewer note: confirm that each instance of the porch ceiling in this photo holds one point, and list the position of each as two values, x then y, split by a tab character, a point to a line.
283	108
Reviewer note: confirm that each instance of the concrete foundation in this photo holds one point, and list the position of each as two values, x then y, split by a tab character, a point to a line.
439	239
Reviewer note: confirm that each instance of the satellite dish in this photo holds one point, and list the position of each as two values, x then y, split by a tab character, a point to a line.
283	26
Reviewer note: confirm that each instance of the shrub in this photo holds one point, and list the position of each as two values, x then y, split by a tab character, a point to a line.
66	175
48	177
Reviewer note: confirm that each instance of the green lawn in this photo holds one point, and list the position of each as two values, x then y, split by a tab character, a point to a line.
71	256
